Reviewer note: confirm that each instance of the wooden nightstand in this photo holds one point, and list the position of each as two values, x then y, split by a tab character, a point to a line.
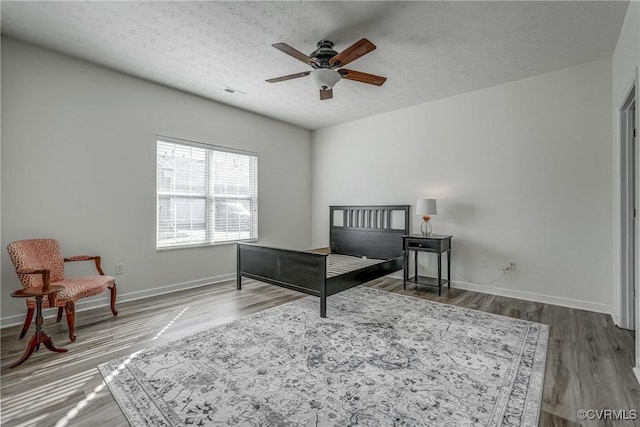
435	243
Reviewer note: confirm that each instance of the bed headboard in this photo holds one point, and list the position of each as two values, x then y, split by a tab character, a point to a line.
371	231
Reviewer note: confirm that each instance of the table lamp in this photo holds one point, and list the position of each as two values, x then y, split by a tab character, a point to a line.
425	208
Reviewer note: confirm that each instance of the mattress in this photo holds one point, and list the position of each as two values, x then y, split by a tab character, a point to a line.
340	264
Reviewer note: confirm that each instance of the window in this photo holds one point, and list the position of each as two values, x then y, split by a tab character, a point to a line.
205	194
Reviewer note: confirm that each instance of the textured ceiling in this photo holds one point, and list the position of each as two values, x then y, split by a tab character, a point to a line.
427	50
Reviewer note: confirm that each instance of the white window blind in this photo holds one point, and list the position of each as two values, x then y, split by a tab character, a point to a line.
205	194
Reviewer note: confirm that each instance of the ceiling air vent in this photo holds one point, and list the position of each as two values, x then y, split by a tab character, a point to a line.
232	90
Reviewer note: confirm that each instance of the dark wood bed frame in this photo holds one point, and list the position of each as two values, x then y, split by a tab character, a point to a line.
363	231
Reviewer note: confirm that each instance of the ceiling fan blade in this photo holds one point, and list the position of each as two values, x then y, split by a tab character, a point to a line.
283	47
289	77
326	94
353	52
359	76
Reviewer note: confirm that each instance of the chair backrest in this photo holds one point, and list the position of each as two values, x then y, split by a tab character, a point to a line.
37	253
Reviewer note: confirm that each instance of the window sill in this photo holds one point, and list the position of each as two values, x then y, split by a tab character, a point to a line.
204	245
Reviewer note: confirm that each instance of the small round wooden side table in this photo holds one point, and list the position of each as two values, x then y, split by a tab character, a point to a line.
39	337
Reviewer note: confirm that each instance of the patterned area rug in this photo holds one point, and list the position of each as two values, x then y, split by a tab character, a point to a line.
378	359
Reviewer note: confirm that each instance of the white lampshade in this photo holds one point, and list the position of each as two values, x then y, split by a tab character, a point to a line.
426	207
325	78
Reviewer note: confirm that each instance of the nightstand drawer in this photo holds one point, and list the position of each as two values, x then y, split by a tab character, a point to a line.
424	245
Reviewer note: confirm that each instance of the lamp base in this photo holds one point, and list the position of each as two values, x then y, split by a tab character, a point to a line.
425	228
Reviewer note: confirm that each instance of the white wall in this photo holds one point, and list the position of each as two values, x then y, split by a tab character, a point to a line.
626	61
521	171
78	164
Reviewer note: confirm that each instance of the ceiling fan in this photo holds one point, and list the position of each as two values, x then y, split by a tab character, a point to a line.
324	61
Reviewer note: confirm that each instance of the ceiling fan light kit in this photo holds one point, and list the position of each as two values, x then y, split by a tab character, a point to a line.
325	78
324	61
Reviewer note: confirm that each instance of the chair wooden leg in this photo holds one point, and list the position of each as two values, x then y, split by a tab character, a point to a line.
113	300
70	309
60	310
27	322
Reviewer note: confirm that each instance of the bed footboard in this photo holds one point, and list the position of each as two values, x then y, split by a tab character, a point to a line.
302	271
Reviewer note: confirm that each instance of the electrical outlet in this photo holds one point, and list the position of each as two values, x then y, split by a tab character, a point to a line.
120	268
512	265
483	262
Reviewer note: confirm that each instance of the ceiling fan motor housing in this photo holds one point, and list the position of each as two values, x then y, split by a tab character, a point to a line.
323	54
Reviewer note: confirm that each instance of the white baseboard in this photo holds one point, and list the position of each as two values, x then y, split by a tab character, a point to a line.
616	317
530	296
130	296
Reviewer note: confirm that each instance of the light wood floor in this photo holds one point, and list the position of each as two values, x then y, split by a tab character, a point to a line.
588	363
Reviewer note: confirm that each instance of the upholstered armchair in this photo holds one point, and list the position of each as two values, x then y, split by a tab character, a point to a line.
39	262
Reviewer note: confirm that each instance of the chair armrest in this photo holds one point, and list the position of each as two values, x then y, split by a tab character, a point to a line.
32	271
45	279
95	258
79	258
